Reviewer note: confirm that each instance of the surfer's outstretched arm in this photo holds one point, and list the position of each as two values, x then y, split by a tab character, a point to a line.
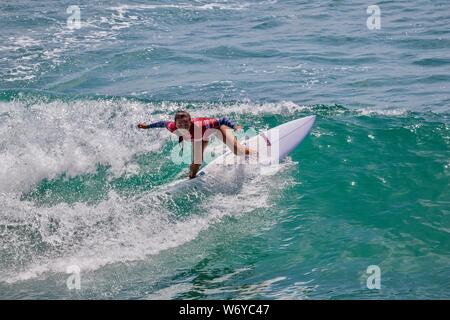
157	124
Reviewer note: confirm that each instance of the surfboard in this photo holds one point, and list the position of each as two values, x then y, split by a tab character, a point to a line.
272	145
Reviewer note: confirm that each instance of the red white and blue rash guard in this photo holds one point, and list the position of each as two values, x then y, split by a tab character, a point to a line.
199	130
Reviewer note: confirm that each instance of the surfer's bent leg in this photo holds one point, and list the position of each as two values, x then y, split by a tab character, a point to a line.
230	140
198	148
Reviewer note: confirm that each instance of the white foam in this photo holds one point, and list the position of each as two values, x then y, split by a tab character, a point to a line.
48	139
54	45
382	111
50	48
118	229
247	107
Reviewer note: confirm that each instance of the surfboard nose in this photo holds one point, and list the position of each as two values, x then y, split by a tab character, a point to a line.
309	120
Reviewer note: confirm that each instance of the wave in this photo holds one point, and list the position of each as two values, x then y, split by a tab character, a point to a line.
80	185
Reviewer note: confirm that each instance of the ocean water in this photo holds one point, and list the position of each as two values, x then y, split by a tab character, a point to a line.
83	193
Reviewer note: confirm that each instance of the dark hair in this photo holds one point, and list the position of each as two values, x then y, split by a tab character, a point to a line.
182	114
178	115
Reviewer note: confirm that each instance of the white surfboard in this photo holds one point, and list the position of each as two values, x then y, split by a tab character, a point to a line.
272	145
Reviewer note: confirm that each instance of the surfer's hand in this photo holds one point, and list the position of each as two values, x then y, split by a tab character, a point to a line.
238	127
142	126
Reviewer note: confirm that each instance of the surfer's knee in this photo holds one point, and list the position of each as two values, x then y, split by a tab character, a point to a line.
223	132
239	149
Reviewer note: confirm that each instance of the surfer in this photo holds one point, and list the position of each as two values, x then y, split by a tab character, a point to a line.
198	131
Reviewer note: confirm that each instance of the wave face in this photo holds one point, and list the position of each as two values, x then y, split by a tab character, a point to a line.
81	186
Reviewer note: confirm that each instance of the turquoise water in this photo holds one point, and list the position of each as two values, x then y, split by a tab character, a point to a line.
80	186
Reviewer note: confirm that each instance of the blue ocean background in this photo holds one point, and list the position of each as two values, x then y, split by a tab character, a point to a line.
81	186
